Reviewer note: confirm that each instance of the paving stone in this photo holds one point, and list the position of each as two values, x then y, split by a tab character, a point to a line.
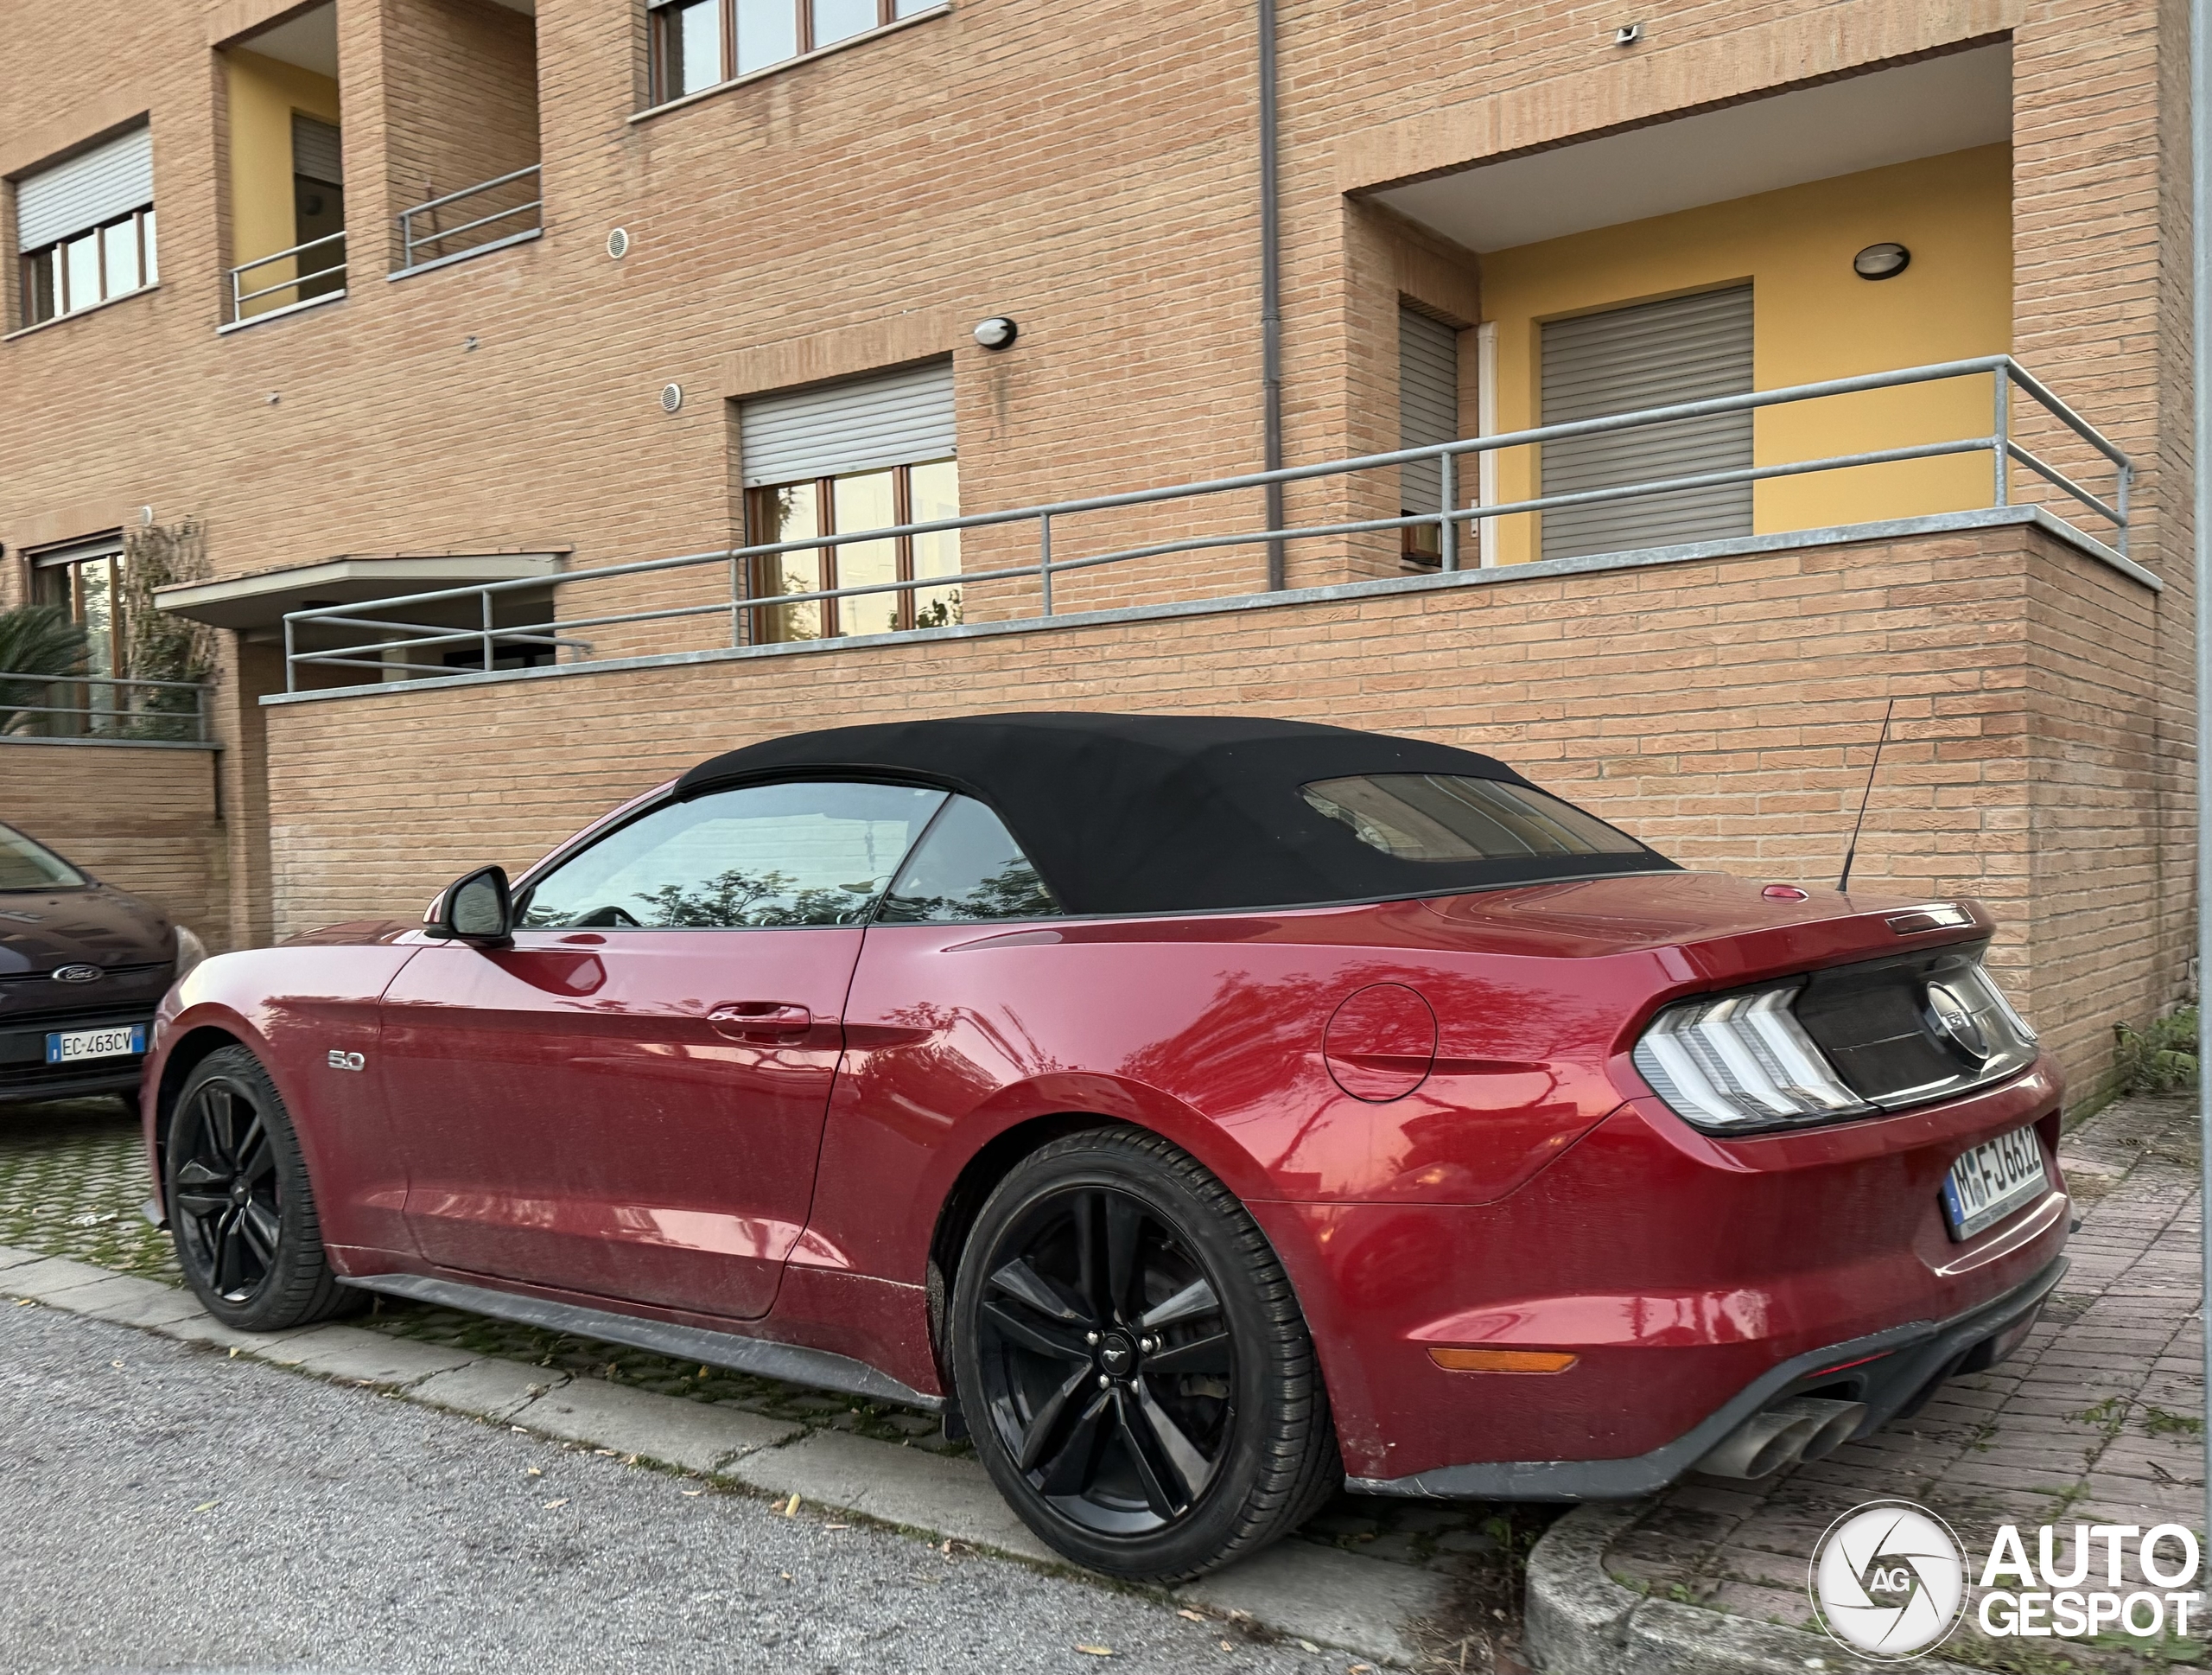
1332	1598
126	1300
487	1388
665	1428
346	1351
49	1277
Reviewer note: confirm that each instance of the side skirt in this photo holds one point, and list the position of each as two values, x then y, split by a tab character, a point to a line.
793	1363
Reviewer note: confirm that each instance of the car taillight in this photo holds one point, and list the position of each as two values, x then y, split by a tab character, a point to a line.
1881	1037
1742	1061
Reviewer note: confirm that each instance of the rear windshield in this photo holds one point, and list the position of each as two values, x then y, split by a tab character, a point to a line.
1446	817
25	866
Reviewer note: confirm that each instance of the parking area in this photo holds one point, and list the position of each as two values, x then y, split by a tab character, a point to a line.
2093	1420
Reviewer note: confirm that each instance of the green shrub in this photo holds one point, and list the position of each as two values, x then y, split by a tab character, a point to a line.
2162	1058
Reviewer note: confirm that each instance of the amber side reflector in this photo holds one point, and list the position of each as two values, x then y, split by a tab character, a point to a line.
1503	1360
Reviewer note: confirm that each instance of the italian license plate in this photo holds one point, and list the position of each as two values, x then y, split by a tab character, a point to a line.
1993	1180
69	1046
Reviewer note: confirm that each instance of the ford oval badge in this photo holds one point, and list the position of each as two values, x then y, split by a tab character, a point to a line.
78	974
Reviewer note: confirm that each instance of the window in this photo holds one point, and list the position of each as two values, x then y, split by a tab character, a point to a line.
1654	354
1428	412
85	228
1451	817
812	852
318	206
86	578
698	44
861	500
26	866
867	454
968	867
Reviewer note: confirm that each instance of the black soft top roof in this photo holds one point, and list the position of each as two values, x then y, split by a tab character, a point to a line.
1163	813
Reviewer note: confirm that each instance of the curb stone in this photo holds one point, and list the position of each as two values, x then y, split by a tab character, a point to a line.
1580	1621
1363	1606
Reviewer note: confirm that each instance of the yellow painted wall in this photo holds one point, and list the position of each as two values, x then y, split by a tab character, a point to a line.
264	93
1813	319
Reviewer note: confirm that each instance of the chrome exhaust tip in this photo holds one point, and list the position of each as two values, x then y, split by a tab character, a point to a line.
1807	1428
1837	1423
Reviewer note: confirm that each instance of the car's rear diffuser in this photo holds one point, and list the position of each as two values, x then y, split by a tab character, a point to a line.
793	1363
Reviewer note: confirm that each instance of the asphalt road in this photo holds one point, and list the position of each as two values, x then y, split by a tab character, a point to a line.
164	1506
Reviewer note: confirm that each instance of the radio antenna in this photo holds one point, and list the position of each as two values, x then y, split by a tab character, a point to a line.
1851	854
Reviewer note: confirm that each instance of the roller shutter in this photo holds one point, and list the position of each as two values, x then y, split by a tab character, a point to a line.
901	418
95	186
1428	403
315	150
1688	348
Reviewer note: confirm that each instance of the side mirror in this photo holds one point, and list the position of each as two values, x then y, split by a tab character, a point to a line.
475	908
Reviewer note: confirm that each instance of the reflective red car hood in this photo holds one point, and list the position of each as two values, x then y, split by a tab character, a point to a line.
1726	927
354	933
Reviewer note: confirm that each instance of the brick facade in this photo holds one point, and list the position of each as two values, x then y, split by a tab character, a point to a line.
1093	175
1725	710
145	819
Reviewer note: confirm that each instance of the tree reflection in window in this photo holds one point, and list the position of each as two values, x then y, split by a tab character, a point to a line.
736	900
968	867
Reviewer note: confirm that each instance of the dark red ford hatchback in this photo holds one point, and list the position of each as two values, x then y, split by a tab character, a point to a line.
1202	1112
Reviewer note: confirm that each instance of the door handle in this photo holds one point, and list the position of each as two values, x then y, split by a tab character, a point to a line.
760	1017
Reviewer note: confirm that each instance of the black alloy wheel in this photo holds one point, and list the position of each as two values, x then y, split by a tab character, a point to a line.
1132	1363
240	1212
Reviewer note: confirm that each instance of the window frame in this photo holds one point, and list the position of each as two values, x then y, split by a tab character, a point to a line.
57	268
658	24
70	573
759	516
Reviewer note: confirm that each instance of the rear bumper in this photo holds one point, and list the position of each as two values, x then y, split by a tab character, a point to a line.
1891	1371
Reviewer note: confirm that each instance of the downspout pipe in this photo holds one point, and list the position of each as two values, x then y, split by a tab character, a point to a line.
1270	296
2200	235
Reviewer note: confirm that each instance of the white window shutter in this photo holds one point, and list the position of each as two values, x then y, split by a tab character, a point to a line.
1686	348
93	186
864	424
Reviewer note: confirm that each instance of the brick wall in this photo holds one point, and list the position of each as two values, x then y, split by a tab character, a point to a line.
1726	711
146	820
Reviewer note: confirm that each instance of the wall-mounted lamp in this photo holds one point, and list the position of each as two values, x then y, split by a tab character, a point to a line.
1881	261
997	333
1628	34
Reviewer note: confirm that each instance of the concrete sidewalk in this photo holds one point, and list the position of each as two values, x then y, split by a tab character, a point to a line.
2094	1420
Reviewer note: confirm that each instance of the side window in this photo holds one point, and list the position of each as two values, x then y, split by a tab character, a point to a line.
813	852
968	867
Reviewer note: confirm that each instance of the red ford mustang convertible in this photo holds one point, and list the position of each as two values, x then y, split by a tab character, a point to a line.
1200	1111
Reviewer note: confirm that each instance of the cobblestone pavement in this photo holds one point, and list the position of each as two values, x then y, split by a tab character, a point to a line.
72	1178
2093	1420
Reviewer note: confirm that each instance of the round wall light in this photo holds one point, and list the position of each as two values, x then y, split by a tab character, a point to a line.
1881	261
997	333
671	398
618	243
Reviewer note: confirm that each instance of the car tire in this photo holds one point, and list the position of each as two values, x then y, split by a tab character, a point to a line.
1132	1362
241	1213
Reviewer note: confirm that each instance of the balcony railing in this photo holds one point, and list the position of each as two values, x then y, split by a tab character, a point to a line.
103	707
422	241
389	653
307	285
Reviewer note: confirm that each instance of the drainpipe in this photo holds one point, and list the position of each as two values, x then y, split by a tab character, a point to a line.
1271	295
2200	232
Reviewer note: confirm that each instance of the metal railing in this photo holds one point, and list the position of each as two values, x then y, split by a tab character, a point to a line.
387	654
412	238
115	707
331	271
